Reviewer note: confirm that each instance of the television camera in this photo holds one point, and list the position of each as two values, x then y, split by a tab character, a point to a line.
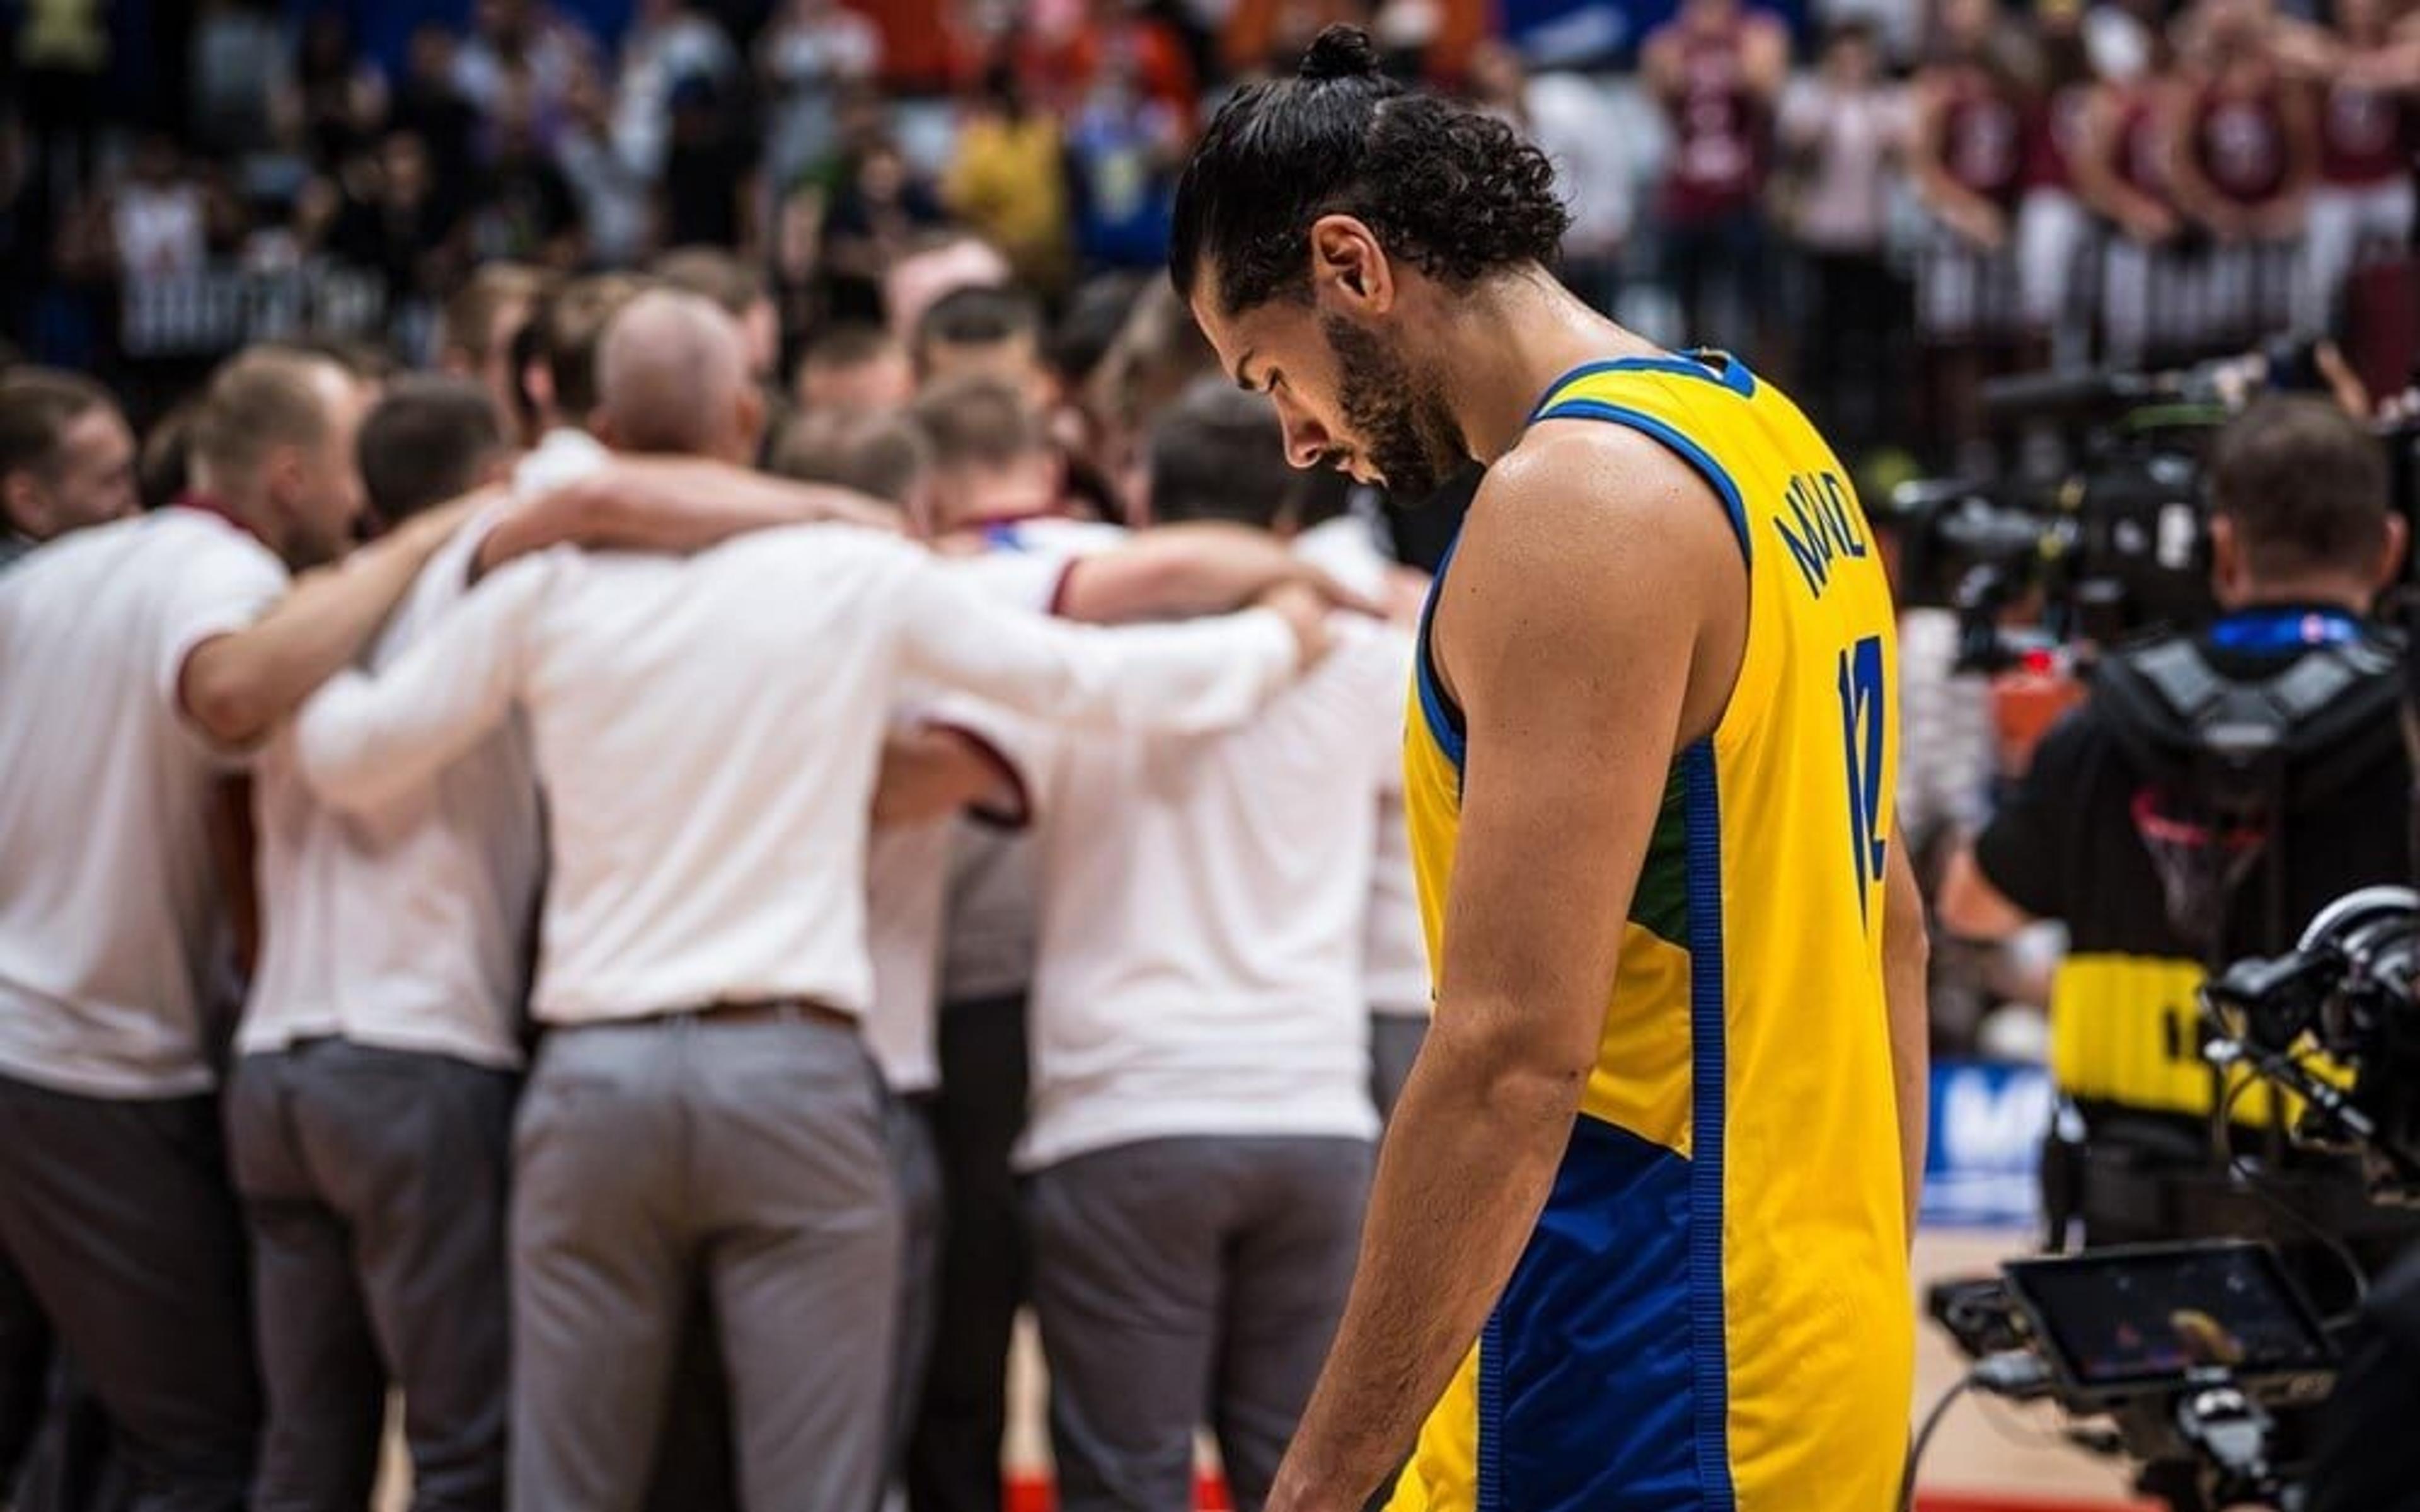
2041	573
2335	1024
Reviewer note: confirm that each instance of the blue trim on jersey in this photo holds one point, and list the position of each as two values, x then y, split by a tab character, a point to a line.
1004	536
1444	719
1687	450
1588	1400
1733	374
1489	1494
1711	1361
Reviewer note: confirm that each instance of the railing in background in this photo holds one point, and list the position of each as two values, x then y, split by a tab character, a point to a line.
219	310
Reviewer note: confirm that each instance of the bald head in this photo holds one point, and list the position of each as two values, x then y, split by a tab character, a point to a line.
672	376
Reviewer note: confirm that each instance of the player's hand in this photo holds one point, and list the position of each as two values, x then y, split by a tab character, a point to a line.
1337	596
2152	225
555	518
1295	1492
1985	225
2281	222
1305	609
1407	596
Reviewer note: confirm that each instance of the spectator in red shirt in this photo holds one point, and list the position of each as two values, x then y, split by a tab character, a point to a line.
1061	67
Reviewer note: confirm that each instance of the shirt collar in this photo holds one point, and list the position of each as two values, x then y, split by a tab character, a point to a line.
195	498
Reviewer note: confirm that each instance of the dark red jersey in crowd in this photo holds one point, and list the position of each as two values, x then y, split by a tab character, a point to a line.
2366	136
2238	136
2139	146
1720	129
2054	136
1982	131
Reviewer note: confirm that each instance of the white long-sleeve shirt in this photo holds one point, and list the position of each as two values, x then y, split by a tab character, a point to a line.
708	731
1395	973
1204	899
405	927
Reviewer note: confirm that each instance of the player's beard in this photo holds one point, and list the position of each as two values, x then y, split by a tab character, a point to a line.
1403	427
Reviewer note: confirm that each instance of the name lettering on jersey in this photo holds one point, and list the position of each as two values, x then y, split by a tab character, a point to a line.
1828	525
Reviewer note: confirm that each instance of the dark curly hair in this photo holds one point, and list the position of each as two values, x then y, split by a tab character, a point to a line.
1455	192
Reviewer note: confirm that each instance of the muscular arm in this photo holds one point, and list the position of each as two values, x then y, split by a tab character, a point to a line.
236	688
1560	636
2191	186
365	738
1176	572
1660	62
1906	952
1208	675
932	771
2101	186
670	504
1970	907
1964	212
2281	216
1764	57
2304	49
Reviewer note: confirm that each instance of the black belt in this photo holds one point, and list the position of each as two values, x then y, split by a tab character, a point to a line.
752	1010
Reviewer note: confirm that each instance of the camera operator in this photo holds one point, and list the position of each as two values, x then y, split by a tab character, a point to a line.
2214	790
2367	1459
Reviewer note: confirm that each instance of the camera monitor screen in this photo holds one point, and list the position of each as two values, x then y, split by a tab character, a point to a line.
2142	1317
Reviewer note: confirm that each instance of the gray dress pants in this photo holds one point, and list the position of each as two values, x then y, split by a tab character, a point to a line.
1395	1041
374	1183
962	1413
652	1153
117	1226
916	1168
1189	1282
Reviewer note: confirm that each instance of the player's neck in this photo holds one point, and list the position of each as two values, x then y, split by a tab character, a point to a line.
1506	342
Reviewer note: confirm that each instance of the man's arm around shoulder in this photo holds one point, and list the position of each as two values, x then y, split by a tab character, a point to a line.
236	688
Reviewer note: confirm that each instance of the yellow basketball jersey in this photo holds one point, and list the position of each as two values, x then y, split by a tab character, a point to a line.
1714	1310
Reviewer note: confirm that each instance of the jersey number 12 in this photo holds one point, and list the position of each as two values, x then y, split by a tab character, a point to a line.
1861	729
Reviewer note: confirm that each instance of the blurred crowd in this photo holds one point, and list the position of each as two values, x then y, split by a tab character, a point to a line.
1886	202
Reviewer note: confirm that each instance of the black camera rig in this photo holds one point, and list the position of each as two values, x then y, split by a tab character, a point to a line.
2172	1355
2333	1022
2043	572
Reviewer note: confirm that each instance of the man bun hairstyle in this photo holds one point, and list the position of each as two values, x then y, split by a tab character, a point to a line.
1341	53
1454	192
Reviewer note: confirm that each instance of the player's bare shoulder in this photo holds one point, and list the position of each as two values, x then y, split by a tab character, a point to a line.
1601	505
1590	533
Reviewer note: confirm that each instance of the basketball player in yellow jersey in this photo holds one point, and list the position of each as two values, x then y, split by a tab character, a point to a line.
1639	1241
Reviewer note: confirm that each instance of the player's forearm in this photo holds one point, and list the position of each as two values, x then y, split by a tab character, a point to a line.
1467	1167
1949	199
1173	679
1906	957
237	688
2194	194
670	504
932	772
1176	572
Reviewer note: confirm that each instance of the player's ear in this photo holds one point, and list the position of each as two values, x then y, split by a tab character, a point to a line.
1349	267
